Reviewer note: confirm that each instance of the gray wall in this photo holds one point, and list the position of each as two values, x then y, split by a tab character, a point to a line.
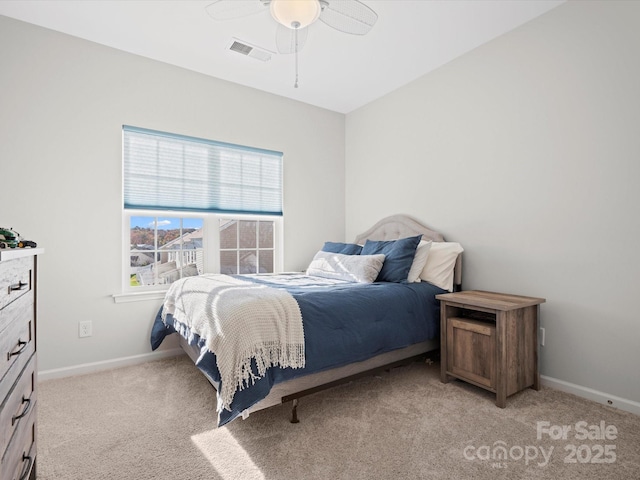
527	151
63	102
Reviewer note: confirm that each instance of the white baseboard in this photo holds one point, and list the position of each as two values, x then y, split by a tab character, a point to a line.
107	364
590	394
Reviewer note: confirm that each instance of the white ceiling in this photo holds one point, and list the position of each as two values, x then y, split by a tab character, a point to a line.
338	71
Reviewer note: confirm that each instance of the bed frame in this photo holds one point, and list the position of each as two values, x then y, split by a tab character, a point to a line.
389	228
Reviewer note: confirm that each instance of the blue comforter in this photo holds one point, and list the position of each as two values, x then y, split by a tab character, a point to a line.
343	323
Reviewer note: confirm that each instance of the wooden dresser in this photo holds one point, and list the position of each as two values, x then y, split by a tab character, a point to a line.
18	373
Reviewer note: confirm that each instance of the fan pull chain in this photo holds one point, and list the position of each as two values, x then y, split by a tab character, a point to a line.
296	25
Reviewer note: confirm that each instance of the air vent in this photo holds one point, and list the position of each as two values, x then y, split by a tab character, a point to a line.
240	48
248	50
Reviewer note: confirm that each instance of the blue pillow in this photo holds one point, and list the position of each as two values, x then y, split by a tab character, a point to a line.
343	248
398	257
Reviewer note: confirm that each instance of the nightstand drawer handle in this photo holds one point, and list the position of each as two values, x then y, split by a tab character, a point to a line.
22	345
24	412
18	286
27	470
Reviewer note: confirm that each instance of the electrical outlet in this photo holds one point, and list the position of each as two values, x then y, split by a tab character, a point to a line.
542	337
85	329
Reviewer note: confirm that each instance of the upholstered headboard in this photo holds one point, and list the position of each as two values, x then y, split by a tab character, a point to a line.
401	226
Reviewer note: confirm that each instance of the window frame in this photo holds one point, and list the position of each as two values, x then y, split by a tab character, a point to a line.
210	246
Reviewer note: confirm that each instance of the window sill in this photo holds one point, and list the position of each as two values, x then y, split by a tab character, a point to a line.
138	296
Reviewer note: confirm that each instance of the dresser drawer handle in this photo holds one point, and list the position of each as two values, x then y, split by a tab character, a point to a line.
24	412
27	470
22	345
18	286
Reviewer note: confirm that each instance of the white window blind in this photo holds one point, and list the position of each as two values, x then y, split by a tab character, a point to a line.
163	171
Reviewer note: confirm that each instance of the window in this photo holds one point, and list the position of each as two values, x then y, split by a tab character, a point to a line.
193	206
164	249
246	246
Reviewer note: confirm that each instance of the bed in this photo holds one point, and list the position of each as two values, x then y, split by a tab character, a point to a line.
350	327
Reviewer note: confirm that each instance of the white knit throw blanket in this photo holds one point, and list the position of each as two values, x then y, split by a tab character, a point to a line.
239	321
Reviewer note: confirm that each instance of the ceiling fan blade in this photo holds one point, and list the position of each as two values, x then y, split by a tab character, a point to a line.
230	9
348	16
286	39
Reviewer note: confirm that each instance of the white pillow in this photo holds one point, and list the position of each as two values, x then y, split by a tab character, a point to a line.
419	261
441	261
351	268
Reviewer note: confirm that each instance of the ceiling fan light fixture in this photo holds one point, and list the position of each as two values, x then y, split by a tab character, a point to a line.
295	13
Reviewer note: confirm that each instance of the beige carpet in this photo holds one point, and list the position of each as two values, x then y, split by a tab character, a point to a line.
157	421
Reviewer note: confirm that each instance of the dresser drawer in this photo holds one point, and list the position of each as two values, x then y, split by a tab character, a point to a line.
15	279
19	458
16	407
17	340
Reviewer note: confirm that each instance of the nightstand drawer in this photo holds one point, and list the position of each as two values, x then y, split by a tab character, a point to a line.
471	351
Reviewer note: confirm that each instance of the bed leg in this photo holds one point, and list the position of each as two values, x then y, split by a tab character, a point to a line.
294	411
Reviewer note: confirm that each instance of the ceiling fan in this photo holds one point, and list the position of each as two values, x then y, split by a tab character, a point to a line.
295	16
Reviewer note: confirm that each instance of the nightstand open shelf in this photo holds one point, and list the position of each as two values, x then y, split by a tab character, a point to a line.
490	340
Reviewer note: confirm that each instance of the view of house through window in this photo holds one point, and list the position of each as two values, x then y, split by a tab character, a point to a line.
246	246
164	249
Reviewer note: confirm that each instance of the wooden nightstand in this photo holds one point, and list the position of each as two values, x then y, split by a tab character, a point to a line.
490	340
